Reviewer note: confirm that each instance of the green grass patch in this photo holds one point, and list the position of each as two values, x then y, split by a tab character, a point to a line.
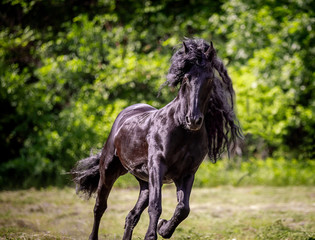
227	212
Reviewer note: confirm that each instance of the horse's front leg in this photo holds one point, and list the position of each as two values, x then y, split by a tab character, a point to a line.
183	187
156	173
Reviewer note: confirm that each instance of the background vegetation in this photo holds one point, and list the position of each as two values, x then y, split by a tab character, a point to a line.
67	67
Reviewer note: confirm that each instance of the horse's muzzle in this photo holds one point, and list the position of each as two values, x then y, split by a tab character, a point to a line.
194	123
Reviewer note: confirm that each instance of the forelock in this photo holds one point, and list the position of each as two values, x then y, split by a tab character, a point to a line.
182	61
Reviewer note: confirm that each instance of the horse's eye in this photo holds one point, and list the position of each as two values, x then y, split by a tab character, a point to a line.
186	79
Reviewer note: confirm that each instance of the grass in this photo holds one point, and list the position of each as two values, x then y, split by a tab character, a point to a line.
216	213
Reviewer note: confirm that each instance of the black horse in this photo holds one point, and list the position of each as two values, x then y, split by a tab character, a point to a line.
166	145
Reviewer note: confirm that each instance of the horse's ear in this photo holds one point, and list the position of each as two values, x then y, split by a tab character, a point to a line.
186	49
210	53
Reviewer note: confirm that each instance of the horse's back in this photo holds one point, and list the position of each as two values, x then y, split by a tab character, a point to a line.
134	110
129	112
135	113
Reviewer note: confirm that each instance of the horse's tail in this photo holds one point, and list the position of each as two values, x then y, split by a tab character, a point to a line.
86	175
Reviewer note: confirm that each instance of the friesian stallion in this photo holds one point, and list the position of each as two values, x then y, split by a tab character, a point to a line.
166	145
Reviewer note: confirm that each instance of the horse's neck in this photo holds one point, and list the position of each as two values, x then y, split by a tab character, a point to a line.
175	110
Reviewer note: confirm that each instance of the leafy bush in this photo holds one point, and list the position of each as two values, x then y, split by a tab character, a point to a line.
68	67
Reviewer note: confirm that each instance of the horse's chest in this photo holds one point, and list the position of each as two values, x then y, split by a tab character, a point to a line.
186	161
184	153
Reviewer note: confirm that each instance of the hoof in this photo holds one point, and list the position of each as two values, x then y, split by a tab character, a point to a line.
162	231
160	223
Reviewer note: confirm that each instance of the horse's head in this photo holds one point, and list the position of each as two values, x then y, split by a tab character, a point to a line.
205	97
192	67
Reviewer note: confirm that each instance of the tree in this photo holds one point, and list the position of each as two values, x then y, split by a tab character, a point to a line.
270	45
68	67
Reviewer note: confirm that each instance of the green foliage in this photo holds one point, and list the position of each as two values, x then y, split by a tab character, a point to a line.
68	68
271	47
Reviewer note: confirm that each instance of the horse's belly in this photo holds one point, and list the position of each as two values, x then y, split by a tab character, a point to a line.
140	170
143	175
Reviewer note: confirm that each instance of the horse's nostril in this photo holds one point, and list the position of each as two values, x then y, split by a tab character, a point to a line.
187	120
199	121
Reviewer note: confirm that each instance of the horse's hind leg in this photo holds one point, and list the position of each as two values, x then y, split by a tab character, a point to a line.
183	187
109	172
134	215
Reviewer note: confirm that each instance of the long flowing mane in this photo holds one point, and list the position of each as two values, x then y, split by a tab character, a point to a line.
221	123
